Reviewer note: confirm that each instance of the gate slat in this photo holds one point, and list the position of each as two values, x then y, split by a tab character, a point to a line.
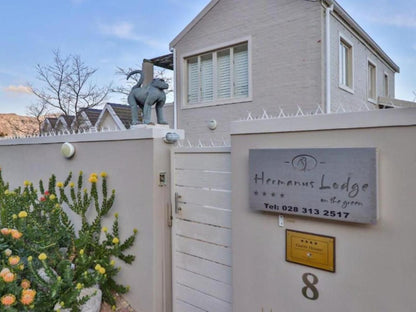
186	307
204	250
203	267
216	180
203	161
207	233
204	284
208	215
201	300
202	197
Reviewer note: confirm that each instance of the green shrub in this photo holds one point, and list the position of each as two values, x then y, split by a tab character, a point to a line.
44	261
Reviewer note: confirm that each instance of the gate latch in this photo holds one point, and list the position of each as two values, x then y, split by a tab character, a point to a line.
177	198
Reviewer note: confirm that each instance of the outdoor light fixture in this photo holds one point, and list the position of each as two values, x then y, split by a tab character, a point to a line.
212	124
171	138
67	150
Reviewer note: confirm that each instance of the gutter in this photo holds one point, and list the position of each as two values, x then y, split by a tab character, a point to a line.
328	11
175	95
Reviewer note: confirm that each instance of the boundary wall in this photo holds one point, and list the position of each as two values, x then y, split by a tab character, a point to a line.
133	160
374	263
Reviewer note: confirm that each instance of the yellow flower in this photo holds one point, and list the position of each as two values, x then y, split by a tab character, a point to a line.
59	184
25	284
21	267
28	296
9	277
116	215
57	206
116	240
135	231
14	260
113	308
16	234
52	197
103	174
26	183
6	192
42	256
72	184
112	262
14	216
22	214
8	299
105	229
30	258
93	179
81	252
4	271
97	267
5	231
102	270
79	286
8	252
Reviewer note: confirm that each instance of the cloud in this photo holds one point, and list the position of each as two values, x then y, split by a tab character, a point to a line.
18	89
125	31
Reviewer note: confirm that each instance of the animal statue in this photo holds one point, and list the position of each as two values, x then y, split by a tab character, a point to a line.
145	97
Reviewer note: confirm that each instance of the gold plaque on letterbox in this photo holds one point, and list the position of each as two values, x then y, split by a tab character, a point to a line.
317	251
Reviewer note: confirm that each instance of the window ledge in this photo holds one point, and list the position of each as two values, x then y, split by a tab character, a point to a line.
346	88
374	101
217	103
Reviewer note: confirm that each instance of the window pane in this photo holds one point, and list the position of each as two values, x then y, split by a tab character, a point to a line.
386	85
240	71
193	80
371	81
207	87
345	64
223	74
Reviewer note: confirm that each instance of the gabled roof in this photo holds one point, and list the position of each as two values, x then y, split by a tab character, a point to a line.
92	114
338	10
51	120
120	113
65	120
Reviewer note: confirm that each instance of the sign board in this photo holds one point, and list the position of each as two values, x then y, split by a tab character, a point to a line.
317	251
330	183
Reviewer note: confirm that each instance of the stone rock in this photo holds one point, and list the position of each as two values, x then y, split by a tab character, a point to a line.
92	305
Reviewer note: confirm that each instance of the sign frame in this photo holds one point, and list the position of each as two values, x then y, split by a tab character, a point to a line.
339	184
316	246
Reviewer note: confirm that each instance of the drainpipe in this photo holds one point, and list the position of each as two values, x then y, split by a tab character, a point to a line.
328	10
175	94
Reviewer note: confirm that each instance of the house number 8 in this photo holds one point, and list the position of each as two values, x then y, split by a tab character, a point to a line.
309	291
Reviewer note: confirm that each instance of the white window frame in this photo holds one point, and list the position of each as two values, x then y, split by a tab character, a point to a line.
372	99
343	39
215	48
386	87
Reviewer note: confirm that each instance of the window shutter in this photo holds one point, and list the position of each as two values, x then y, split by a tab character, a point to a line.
207	87
241	71
223	74
193	80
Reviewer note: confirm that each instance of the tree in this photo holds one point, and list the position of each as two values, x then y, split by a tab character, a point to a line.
67	87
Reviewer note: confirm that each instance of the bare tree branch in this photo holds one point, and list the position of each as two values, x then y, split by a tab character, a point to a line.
67	86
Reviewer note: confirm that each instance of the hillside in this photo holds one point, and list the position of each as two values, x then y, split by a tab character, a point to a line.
16	125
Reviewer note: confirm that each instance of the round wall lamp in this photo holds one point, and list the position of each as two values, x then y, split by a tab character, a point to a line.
212	124
67	150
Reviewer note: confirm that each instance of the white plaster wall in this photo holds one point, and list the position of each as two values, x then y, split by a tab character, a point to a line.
133	160
374	263
285	39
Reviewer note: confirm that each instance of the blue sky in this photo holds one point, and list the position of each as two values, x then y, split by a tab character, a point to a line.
111	33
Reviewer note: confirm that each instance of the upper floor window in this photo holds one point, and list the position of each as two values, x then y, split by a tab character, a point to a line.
345	64
386	85
218	75
371	84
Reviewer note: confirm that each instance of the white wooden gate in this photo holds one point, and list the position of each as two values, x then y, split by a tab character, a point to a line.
201	230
